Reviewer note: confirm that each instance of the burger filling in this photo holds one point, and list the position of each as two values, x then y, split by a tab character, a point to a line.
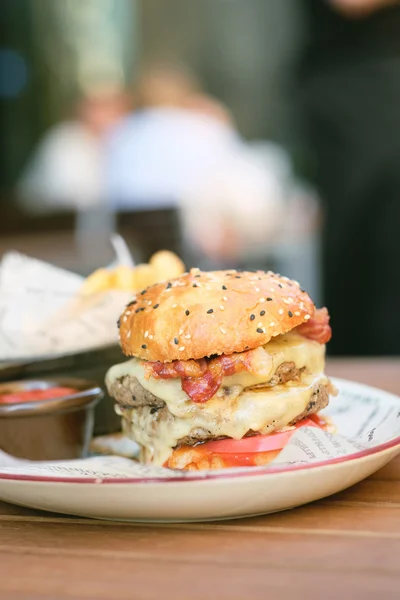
169	406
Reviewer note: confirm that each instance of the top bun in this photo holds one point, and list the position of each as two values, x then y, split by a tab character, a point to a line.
218	312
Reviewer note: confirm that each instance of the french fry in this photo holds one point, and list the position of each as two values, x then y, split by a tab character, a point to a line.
99	281
123	278
144	275
167	265
162	265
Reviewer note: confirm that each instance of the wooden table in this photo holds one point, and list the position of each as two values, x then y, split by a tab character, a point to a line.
344	547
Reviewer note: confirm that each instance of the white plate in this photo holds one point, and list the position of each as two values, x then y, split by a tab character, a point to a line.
223	494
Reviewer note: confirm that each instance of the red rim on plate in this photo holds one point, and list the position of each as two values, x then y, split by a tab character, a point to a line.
250	472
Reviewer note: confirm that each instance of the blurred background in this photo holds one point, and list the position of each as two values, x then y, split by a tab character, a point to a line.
257	134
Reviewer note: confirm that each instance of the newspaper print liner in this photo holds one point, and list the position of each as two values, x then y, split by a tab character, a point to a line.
367	420
42	313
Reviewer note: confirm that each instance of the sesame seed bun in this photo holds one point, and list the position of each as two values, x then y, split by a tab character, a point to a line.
203	313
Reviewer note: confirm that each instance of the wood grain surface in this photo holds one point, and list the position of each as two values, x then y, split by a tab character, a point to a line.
344	547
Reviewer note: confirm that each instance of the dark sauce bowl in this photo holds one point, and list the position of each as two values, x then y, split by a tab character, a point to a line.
58	428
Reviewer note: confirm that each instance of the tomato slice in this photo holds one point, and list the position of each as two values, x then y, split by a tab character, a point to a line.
250	451
258	443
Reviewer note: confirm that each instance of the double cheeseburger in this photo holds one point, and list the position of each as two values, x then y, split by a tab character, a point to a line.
225	366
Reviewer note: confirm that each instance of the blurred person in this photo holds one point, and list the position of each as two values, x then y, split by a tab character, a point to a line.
177	87
180	148
239	206
66	171
350	86
176	133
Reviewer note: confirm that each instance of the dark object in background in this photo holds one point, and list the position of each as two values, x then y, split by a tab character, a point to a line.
57	429
147	231
15	222
350	86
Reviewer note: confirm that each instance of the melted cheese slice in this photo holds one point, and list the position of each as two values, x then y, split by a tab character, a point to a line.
264	410
234	414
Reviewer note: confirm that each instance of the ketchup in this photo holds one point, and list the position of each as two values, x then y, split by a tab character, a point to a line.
36	395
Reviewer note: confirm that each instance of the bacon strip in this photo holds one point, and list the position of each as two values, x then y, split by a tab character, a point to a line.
177	368
317	328
201	379
203	388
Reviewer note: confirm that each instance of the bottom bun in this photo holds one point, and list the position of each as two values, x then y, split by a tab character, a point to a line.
196	459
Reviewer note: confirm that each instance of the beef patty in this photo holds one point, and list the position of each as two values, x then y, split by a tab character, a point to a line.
130	394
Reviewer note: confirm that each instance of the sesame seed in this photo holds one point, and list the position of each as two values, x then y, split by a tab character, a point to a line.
224	298
119	323
222	330
252	317
238	277
280	285
301	305
181	349
176	341
224	287
307	317
222	307
187	313
174	306
142	292
210	310
287	300
131	303
188	336
144	346
281	311
150	336
125	318
272	324
256	289
262	300
297	313
269	299
156	306
149	302
146	333
290	313
262	313
180	331
195	285
259	330
169	285
128	335
259	324
197	275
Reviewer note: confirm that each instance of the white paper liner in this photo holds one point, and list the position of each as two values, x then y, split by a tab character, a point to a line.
42	314
364	418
